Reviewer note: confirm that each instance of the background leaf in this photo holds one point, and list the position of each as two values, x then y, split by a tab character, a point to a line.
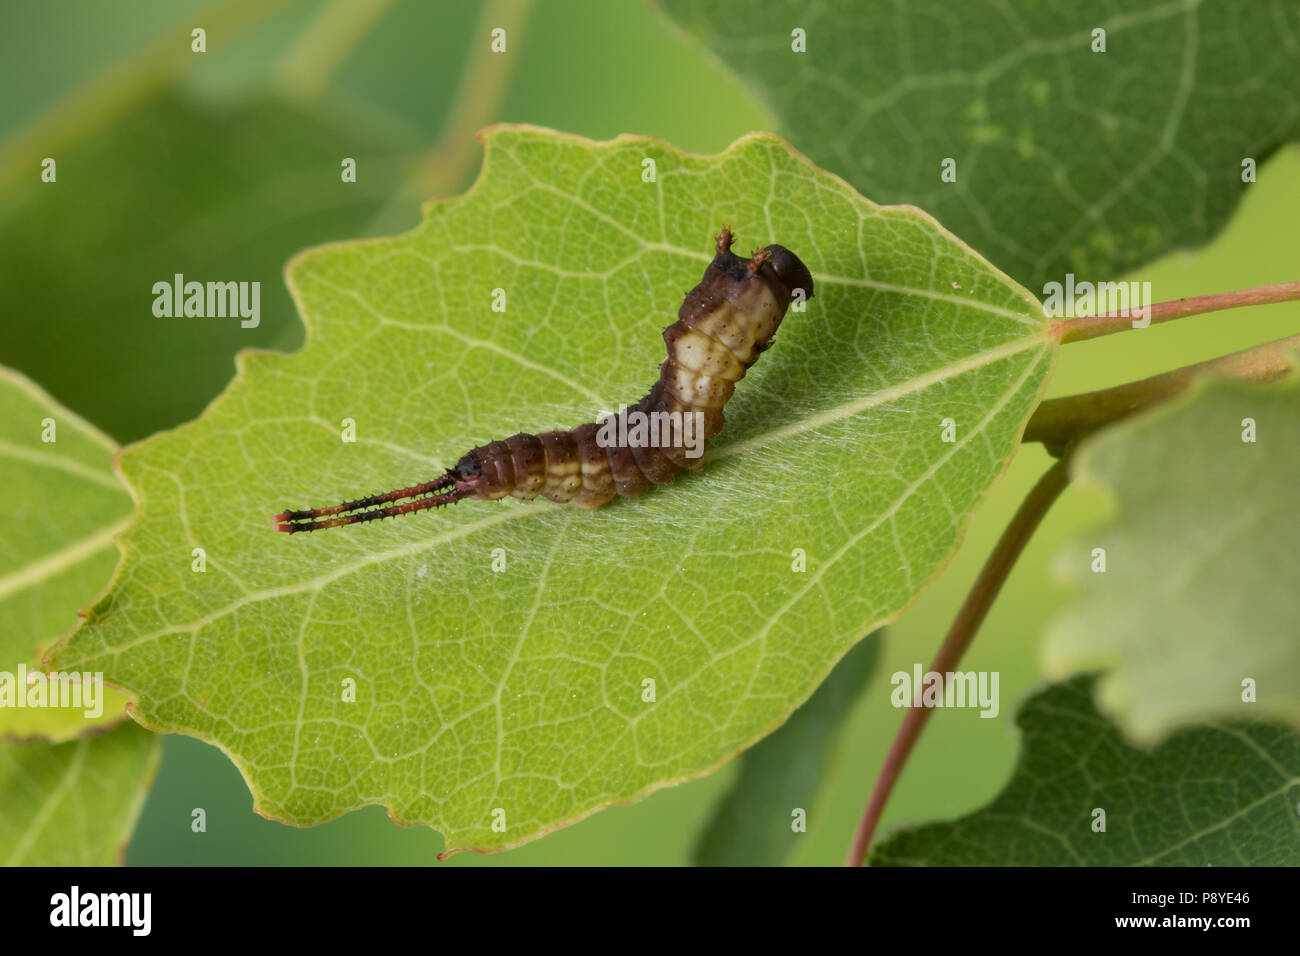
56	543
223	165
63	801
75	803
521	691
1067	160
407	64
136	205
1201	562
752	824
1216	795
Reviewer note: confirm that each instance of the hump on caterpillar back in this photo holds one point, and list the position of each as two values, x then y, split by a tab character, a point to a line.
790	270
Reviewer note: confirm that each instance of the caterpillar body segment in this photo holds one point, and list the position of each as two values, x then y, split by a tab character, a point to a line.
722	327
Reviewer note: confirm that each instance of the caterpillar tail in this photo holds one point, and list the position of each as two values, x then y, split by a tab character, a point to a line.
402	501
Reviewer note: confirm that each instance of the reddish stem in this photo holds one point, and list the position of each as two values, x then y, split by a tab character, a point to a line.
972	614
1092	326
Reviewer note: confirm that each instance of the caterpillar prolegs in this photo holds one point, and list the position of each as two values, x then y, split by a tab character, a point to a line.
723	326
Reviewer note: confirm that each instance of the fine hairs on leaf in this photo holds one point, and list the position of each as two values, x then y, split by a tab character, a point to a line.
725	324
499	727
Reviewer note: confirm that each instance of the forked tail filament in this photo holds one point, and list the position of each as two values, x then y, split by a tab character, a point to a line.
432	494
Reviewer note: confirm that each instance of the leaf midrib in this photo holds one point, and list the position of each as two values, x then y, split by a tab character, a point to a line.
542	507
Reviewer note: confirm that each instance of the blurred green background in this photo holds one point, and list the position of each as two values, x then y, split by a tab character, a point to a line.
214	163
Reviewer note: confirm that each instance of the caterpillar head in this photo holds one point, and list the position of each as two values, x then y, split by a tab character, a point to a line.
789	270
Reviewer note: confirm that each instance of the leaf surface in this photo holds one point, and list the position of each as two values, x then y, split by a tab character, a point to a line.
56	547
519	697
1066	159
1212	795
754	824
74	803
71	788
1195	616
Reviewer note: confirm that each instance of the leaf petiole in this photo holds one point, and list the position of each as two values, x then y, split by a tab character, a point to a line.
1059	421
964	627
1095	326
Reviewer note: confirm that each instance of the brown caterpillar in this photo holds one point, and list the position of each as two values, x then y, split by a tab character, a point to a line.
724	324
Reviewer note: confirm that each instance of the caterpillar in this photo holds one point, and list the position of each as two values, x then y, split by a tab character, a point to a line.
724	324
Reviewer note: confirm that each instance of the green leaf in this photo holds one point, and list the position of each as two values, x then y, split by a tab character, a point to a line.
56	545
522	691
174	186
76	803
753	824
1213	795
1198	599
63	801
1067	160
